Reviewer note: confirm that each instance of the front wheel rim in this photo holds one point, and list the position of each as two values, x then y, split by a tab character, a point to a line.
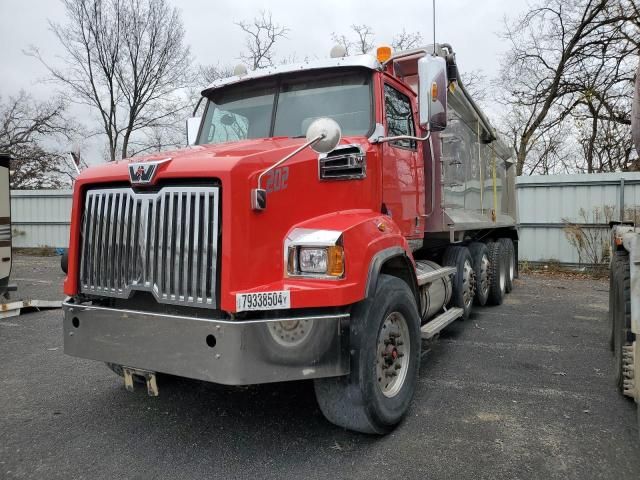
393	354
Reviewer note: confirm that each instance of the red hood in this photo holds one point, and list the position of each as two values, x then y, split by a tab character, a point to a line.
198	160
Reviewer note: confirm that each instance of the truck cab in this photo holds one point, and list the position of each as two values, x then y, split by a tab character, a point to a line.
324	219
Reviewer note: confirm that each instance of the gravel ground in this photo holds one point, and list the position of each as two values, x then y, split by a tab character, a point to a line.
520	391
38	278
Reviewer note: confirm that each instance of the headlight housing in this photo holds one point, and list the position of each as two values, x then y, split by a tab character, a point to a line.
314	253
316	261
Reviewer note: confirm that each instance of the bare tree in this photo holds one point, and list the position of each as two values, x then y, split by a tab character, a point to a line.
262	33
343	41
210	73
406	40
126	59
28	129
636	112
475	82
552	45
364	38
361	40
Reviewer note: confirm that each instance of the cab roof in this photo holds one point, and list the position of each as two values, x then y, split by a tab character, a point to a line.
364	61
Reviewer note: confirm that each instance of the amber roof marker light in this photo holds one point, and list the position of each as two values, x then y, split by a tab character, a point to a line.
384	53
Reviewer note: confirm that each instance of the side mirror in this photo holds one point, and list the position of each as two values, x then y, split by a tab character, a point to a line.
432	92
193	126
330	132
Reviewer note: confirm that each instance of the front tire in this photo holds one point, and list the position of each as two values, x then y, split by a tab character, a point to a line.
385	359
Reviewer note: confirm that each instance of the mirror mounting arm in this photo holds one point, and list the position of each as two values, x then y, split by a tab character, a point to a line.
402	137
259	195
292	154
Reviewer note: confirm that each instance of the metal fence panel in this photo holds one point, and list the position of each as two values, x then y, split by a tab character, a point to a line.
40	218
546	203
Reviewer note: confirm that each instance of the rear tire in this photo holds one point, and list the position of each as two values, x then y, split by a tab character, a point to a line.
368	400
464	282
510	259
612	295
497	273
480	259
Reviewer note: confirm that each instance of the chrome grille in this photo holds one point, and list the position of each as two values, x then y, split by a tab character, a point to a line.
162	242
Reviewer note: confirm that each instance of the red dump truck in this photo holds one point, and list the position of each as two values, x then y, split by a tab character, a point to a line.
325	218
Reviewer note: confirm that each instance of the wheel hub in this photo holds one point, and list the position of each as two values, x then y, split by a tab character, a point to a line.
290	333
468	284
392	361
483	281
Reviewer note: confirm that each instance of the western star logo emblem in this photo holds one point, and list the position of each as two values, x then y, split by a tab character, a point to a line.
142	173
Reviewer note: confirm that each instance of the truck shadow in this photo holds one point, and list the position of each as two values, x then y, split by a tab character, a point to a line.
271	417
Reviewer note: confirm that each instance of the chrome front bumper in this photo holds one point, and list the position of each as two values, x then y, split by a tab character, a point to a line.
219	351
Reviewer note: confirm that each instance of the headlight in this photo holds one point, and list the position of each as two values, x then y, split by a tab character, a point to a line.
316	261
313	260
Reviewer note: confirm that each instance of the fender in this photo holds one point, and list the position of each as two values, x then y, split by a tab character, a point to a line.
370	239
377	263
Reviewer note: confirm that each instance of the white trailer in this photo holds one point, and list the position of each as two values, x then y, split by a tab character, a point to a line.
5	226
624	308
624	290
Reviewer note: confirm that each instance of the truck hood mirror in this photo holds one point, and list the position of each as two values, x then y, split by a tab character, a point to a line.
329	130
193	126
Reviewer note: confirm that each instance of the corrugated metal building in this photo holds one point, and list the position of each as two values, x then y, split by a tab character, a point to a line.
545	203
40	218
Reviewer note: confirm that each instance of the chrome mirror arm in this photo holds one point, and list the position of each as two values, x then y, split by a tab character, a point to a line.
281	161
401	137
259	195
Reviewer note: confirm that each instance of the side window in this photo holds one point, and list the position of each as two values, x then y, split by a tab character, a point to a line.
399	117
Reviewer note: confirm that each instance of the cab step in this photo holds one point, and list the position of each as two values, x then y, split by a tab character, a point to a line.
438	323
426	275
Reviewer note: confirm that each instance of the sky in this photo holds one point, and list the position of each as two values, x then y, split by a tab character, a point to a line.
470	26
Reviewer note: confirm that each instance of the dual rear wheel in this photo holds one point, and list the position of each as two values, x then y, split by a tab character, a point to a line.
485	273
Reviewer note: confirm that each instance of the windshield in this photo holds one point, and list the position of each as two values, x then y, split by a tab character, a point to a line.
246	110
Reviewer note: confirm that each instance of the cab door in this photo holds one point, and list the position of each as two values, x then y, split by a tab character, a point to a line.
403	172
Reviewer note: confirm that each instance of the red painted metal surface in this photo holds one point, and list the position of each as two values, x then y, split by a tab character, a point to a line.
252	243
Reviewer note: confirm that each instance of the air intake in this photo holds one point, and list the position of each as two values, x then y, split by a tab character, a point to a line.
346	162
